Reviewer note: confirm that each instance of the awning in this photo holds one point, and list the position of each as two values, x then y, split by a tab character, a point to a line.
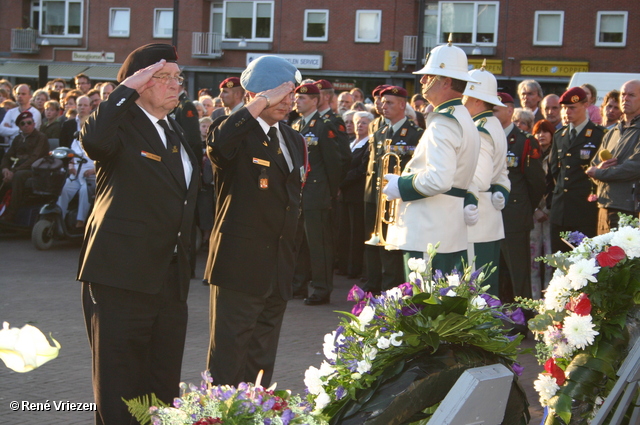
59	70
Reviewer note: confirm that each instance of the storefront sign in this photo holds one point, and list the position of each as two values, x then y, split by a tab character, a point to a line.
494	66
93	57
299	61
343	86
552	68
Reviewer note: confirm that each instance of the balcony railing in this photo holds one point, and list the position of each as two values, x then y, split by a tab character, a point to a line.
410	52
206	45
24	40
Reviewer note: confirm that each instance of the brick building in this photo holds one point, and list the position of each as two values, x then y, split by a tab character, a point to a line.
355	43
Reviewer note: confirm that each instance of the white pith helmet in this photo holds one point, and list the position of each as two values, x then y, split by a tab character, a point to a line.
447	60
486	87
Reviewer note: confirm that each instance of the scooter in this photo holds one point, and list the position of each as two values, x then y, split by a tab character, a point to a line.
51	225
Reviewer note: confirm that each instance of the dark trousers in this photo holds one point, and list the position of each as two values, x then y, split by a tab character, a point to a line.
515	266
137	343
557	244
18	186
245	330
385	269
350	249
315	258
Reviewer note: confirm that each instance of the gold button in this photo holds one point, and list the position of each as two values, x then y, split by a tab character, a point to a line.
566	178
566	190
568	154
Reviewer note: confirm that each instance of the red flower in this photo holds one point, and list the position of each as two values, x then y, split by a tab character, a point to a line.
555	371
580	306
611	256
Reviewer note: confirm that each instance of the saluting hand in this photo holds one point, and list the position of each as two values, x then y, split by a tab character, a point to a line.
142	79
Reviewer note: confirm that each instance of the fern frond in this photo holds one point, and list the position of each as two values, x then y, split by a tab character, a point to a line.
139	407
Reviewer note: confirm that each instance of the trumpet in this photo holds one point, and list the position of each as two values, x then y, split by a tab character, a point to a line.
386	210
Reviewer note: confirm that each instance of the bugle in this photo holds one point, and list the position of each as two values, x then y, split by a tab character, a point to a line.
386	210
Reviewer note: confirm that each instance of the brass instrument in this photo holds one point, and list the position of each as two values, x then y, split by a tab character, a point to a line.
383	211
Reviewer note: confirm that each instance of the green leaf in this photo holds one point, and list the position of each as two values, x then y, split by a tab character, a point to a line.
455	304
139	407
561	404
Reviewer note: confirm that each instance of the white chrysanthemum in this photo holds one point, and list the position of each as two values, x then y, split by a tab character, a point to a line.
453	280
479	303
312	380
417	265
326	369
628	238
579	330
394	338
366	316
582	272
322	400
363	366
562	349
546	386
329	346
383	343
601	241
557	293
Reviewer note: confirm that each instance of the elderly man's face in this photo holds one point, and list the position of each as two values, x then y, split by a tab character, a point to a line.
630	99
551	109
529	98
163	95
345	100
279	111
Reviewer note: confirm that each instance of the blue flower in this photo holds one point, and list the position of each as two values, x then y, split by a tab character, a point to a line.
517	368
340	392
287	415
268	405
575	238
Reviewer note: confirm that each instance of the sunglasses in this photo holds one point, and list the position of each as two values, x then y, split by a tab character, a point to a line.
23	123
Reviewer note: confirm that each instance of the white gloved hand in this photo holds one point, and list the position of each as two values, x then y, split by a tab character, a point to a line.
498	201
391	189
471	214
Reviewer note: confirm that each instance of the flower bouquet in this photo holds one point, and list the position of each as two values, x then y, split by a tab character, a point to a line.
247	404
395	356
581	322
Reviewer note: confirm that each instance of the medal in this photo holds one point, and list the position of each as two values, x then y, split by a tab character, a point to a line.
263	180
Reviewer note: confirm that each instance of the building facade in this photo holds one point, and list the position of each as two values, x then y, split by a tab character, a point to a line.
353	44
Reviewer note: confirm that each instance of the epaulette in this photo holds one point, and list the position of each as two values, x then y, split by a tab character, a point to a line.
480	125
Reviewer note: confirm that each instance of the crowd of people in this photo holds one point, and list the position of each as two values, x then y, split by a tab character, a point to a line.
304	183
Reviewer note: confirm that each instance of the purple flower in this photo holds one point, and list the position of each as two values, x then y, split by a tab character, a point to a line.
267	421
286	417
517	316
445	291
411	309
406	288
340	392
268	405
512	337
437	275
492	302
357	309
575	238
355	294
517	368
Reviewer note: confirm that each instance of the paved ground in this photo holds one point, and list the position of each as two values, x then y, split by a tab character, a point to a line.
38	287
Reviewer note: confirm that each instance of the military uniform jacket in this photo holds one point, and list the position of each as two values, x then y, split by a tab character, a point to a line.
403	144
186	115
342	139
143	212
254	238
490	176
325	172
617	185
375	125
435	181
567	164
524	164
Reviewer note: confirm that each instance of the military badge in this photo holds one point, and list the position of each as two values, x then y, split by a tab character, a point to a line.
588	132
403	132
312	123
263	180
229	84
512	160
303	89
585	153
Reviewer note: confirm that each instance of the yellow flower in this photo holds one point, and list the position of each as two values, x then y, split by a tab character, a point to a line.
23	350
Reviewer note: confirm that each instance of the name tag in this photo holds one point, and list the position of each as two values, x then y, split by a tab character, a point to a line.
261	162
150	156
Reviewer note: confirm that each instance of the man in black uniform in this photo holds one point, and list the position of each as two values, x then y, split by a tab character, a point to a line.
315	258
327	93
398	135
527	187
574	146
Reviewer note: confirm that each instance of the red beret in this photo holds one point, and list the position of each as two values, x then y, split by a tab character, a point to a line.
377	90
394	91
573	95
230	83
308	89
323	84
505	97
145	56
23	116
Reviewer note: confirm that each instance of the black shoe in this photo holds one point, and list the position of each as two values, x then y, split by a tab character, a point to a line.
300	295
205	282
316	300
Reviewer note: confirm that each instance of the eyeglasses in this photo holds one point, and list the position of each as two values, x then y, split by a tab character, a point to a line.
23	123
166	79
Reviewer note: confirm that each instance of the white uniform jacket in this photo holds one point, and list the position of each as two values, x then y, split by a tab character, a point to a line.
435	181
491	176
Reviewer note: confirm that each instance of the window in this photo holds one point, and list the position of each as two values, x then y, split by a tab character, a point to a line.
58	18
368	26
548	28
316	25
251	20
217	17
611	29
119	22
163	23
430	27
469	22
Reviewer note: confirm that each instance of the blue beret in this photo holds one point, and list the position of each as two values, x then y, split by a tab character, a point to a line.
268	72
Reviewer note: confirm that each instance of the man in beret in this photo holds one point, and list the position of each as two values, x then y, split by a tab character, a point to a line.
232	95
260	168
618	177
315	259
574	147
399	135
134	262
527	178
28	146
377	103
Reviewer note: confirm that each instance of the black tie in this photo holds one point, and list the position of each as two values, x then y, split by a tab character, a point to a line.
573	134
173	157
390	132
274	146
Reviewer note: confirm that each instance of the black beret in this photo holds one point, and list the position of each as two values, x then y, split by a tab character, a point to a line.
145	56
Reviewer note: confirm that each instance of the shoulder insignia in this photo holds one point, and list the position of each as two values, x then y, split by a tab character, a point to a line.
312	123
483	130
447	111
403	132
189	114
331	134
341	128
588	132
535	153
